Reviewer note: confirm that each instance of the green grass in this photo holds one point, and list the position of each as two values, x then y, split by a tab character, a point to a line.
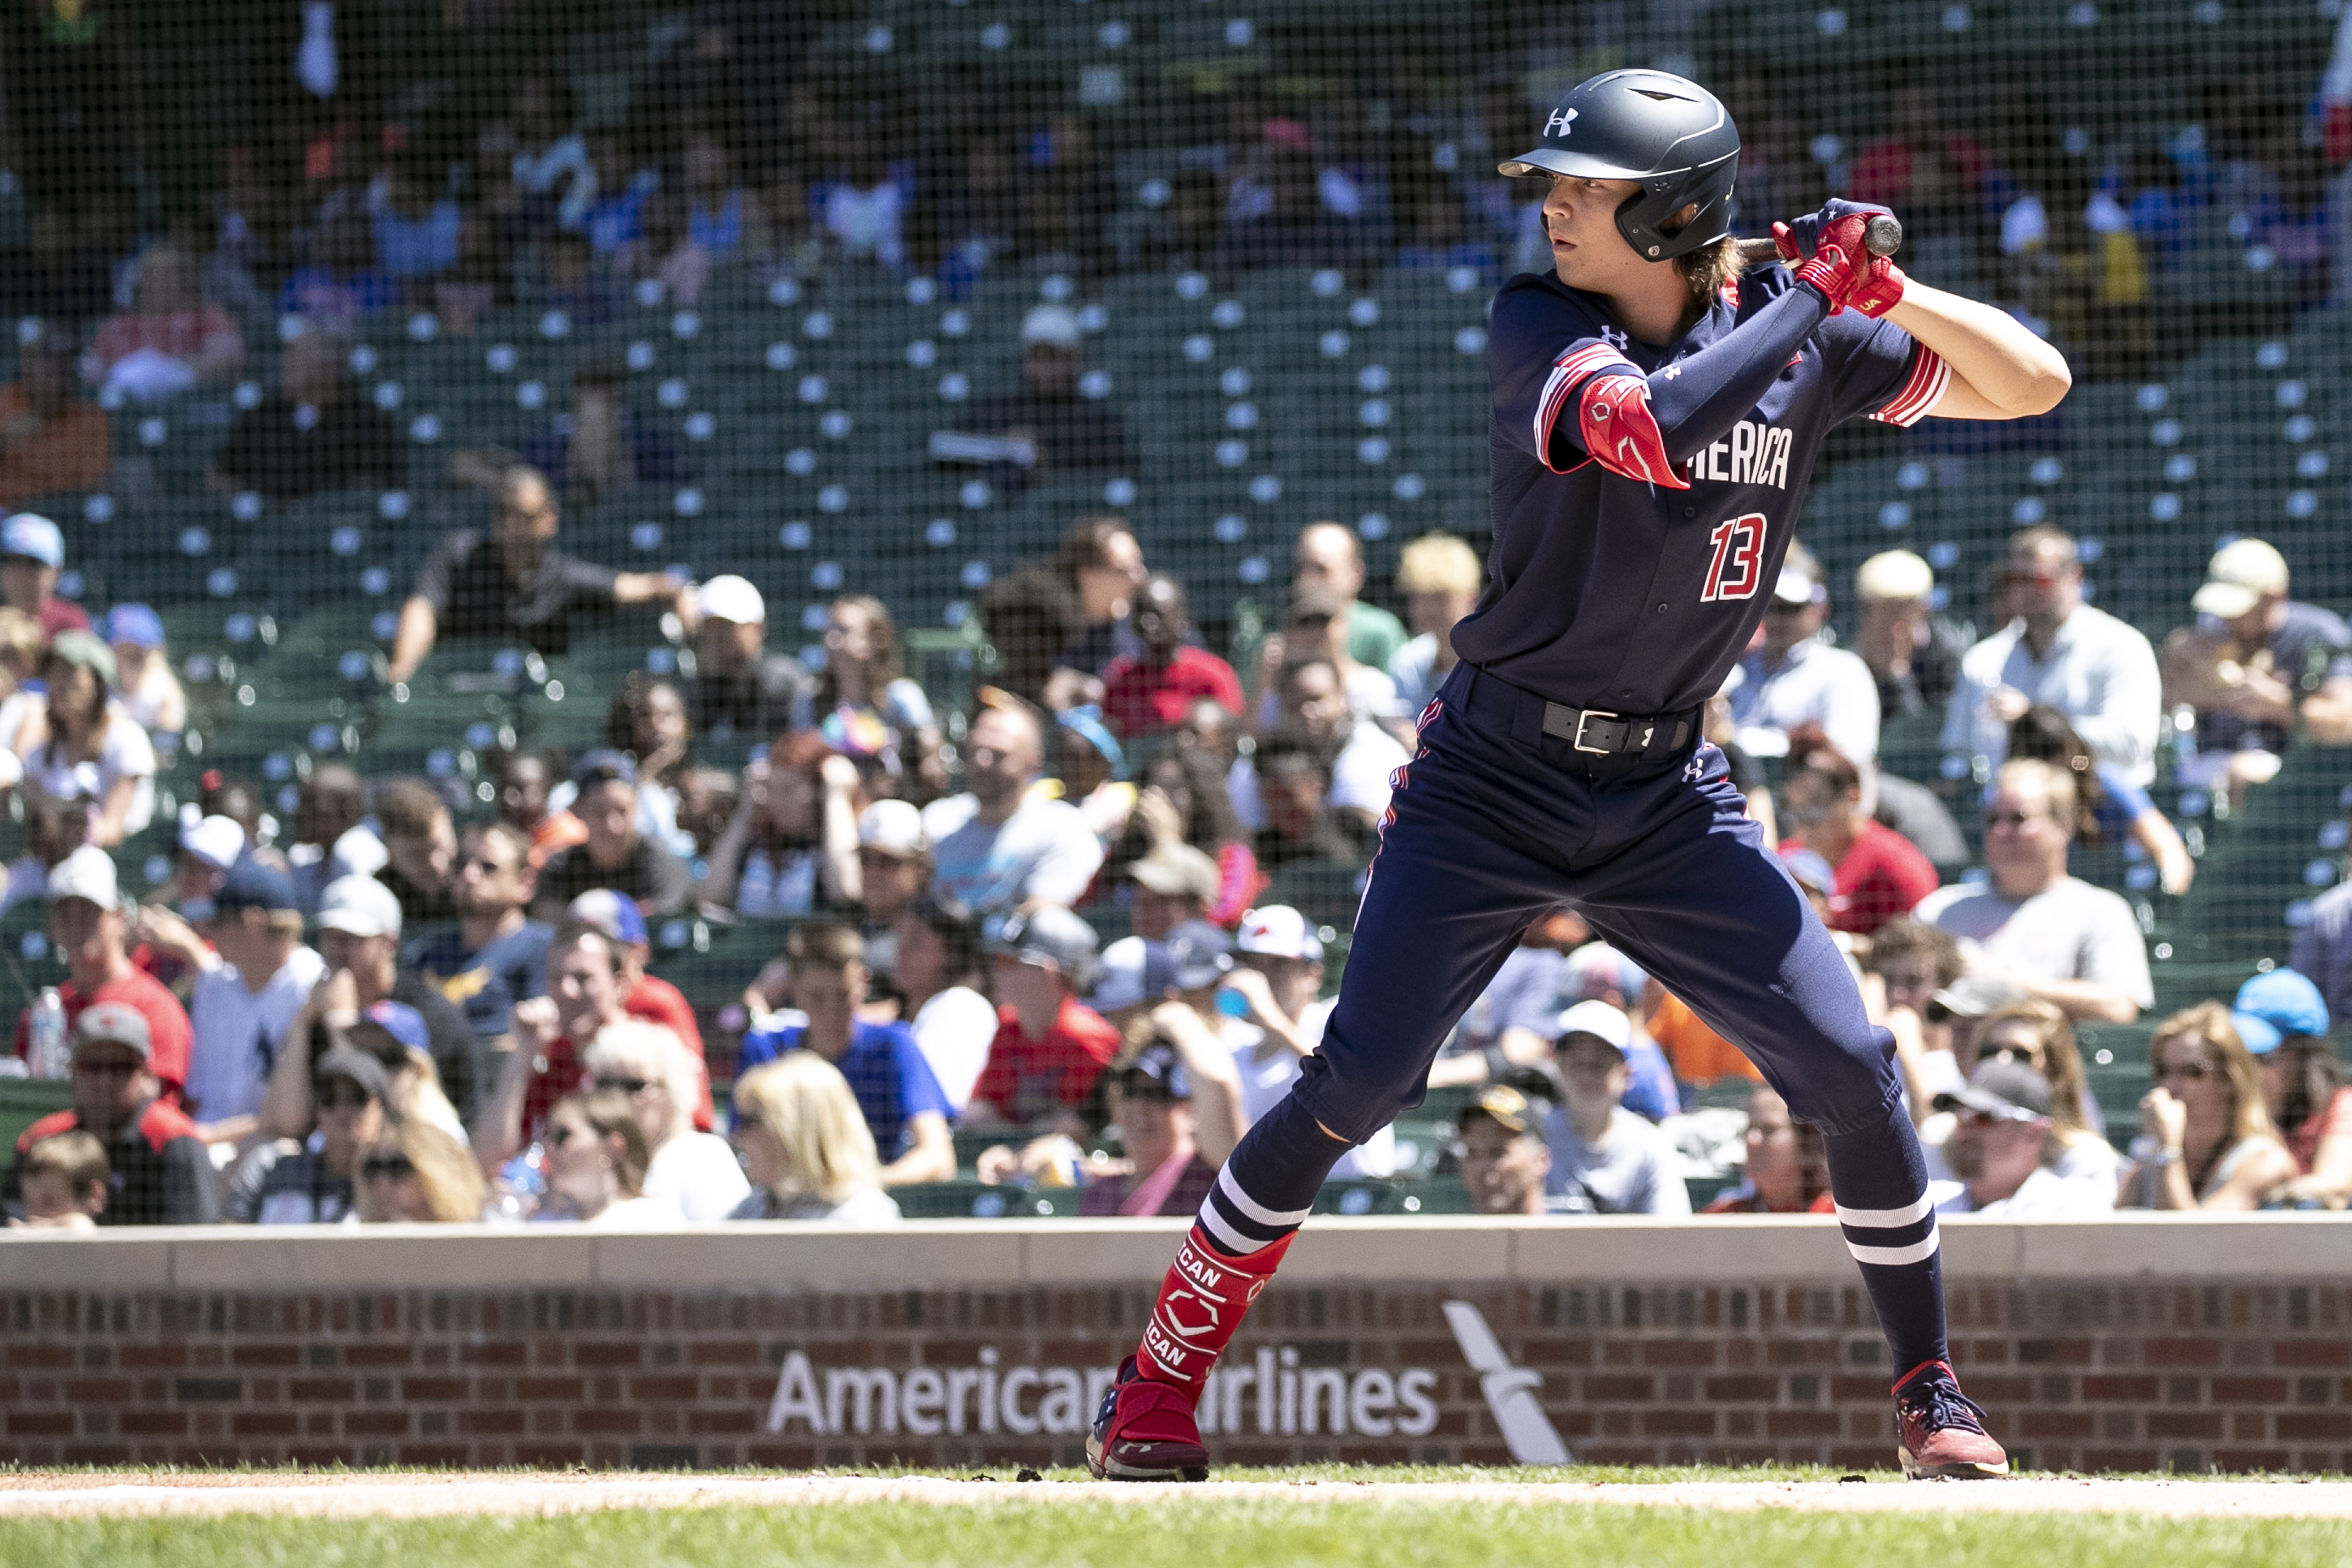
1039	1534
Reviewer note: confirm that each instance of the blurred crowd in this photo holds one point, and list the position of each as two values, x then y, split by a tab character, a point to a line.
1075	927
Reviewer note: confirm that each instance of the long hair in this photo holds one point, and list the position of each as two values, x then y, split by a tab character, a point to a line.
1211	823
887	663
1706	270
2209	1021
2061	1063
2042	733
806	1106
2314	1075
453	1190
609	1114
637	1049
101	710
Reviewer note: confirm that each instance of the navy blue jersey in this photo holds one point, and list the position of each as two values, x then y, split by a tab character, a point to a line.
1608	592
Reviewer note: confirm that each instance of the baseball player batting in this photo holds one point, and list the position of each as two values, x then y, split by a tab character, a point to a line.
1656	415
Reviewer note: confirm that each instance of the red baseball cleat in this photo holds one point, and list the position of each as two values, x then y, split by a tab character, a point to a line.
1944	1436
1145	1432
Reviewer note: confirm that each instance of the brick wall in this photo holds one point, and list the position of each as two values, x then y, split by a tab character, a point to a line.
2083	1375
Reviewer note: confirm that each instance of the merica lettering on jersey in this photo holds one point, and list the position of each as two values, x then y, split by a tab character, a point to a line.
1634	596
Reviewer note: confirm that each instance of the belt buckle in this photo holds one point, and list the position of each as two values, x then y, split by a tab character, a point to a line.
1584	717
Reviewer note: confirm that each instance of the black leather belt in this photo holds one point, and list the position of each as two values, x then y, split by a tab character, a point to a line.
1591	731
1603	734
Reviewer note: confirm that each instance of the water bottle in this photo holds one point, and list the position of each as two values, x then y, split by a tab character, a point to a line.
46	1048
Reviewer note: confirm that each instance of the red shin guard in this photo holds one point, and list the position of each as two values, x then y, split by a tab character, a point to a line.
1201	1305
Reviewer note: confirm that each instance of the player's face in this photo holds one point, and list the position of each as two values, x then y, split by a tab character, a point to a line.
1580	216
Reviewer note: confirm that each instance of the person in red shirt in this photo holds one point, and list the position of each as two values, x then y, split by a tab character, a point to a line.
1880	873
88	926
647	997
1050	1048
1148	692
550	1033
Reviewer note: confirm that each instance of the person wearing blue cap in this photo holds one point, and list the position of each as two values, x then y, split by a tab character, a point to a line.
32	555
2283	1021
251	982
1093	770
143	681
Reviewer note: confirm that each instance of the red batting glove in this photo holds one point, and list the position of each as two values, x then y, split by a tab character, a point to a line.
1877	287
1842	268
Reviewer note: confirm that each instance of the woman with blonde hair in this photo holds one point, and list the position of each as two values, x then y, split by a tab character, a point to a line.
2206	1139
2039	1034
694	1172
413	1171
806	1143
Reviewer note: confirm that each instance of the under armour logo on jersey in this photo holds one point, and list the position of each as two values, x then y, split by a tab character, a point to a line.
1559	120
1615	337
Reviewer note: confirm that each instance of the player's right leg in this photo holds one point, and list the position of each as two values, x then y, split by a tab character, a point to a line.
1443	907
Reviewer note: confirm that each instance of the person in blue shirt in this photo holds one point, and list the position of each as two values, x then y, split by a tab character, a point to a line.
904	1108
497	955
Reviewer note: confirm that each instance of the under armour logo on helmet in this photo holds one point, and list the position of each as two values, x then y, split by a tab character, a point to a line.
1558	121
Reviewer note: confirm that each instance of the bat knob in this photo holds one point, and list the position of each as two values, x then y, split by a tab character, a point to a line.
1883	234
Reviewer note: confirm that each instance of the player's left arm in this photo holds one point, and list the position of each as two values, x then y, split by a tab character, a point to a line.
2000	369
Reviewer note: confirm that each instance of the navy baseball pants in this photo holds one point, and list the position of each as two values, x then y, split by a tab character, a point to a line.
1495	822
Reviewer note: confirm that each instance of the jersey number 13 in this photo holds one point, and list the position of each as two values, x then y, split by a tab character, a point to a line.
1736	567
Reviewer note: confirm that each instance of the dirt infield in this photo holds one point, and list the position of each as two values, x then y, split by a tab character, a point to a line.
120	1495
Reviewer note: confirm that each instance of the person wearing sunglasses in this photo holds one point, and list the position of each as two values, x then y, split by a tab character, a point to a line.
2206	1140
2050	934
2002	1151
2097	671
596	1161
695	1172
2039	1034
283	1183
162	1174
417	1174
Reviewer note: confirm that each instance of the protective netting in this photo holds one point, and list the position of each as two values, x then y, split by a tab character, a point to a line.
290	282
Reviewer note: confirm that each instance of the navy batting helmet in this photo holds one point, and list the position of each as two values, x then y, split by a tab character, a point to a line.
1670	133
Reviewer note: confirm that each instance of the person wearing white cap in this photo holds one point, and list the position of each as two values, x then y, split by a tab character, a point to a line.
1052	410
894	866
2097	671
739	692
1913	653
1797	675
1277	976
2254	665
1617	1163
91	930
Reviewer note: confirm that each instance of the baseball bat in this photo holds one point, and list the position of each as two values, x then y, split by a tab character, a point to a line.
1882	236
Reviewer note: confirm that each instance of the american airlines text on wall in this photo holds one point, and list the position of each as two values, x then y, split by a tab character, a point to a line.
1267	1394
